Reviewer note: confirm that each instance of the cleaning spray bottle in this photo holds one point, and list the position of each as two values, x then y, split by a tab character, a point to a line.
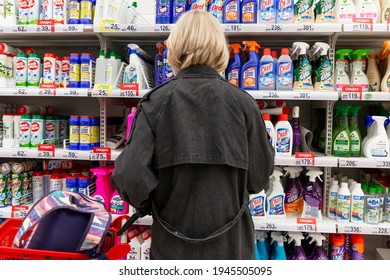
325	11
250	70
311	199
358	77
297	139
304	11
233	71
342	68
341	145
293	192
354	131
373	76
319	252
284	71
302	73
231	11
378	145
298	253
275	200
278	252
257	204
345	11
261	237
267	71
323	74
370	124
104	189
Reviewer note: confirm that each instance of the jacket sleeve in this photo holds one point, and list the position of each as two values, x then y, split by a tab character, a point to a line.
133	176
261	152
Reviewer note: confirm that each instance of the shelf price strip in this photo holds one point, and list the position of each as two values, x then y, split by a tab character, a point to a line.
20	154
352	93
268	225
306	224
353	229
71	154
102	90
383	164
101	154
19	211
362	25
129	90
305	159
46	150
73	28
348	163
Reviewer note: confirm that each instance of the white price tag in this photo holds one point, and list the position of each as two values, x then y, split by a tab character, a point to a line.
73	28
163	28
353	229
269	226
129	28
20	154
303	95
380	230
20	91
19	211
45	154
305	28
71	155
100	93
383	164
306	224
46	150
348	163
233	28
274	28
21	29
271	95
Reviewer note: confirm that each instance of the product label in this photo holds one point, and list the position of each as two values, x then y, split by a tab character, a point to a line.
303	10
199	5
24	9
167	70
85	134
267	11
50	131
33	72
302	77
231	11
341	143
36	132
74	135
333	205
249	78
74	72
293	203
323	76
130	75
368	9
381	149
248	12
216	9
74	10
3	191
86	10
355	142
387	208
276	205
233	77
21	72
372	214
357	208
48	71
58	71
85	74
117	205
59	11
285	76
325	11
65	73
256	206
337	253
285	12
267	76
343	207
25	133
269	133
282	140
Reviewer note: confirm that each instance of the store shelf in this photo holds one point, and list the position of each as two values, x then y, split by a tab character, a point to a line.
354	162
35	154
320	161
118	93
34	91
48	30
295	95
366	96
380	229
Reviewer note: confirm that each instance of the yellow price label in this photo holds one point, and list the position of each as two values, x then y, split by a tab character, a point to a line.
102	90
108	25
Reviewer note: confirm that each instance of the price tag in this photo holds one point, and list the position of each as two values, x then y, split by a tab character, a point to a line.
303	95
20	154
129	90
21	29
233	28
274	28
380	230
269	226
20	91
305	28
351	93
129	28
348	163
111	27
304	159
102	90
73	28
19	211
163	28
383	164
71	155
47	89
45	29
46	150
362	25
101	154
306	224
271	95
352	229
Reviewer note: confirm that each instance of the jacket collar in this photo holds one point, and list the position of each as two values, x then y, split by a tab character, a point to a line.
198	71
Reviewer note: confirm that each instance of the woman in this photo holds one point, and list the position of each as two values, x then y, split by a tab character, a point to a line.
197	148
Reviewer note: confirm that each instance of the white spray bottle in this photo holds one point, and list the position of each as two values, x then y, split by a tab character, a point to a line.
275	200
311	198
378	145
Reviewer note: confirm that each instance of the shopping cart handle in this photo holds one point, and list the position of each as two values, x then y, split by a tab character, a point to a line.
129	222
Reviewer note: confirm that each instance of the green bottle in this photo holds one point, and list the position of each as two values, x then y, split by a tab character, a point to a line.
354	131
341	144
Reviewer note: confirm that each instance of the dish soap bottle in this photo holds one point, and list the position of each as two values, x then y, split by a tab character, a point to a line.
275	200
233	70
345	11
358	77
302	73
342	68
323	74
341	145
250	70
311	199
373	76
354	131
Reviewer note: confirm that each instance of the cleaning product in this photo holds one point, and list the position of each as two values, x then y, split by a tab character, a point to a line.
311	199
112	69
319	252
231	11
354	131
278	252
284	11
332	208
302	73
135	246
385	11
117	205
325	11
257	203
145	246
341	145
249	71
304	11
378	145
216	9
385	84
275	200
267	71
261	237
323	73
372	207
249	11
283	137
163	11
270	128
368	9
267	11
179	7
357	247
357	204
284	70
167	72
298	253
293	192
104	189
373	76
297	139
370	124
358	77
337	246
342	67
343	203
345	11
158	64
233	71
379	192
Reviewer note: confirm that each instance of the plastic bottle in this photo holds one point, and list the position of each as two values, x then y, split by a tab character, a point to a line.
342	66
319	252
304	11
357	204
345	11
385	11
233	71
298	253
385	84
379	192
354	131
297	139
373	76
74	132
86	12
267	71
267	11
167	72
357	247
100	68
311	198
370	124
358	77
283	137
158	64
37	186
341	145
257	204
284	71
3	71
71	184
21	70
8	131
325	11
85	133
367	9
163	11
261	237
343	204
293	192
85	73
55	182
104	189
302	73
135	246
117	205
216	9
249	11
378	145
332	208
270	128
49	68
284	11
145	247
84	182
249	71
231	11
337	246
372	207
74	11
33	70
65	67
37	130
275	200
58	71
278	240
323	73
25	131
74	70
50	130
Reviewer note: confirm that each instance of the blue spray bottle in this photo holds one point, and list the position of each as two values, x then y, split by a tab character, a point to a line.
158	64
250	70
167	72
261	244
233	70
179	7
278	252
249	11
231	11
163	11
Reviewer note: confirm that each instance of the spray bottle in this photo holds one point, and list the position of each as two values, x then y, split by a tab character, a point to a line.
325	11
298	253
378	145
323	74
293	192
261	237
233	71
250	70
354	131
158	64
257	204
341	142
278	252
275	200
297	139
302	73
311	198
342	68
304	11
373	76
358	77
370	124
104	189
319	252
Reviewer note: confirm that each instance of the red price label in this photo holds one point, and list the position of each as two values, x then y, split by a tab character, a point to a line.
45	26
47	89
362	24
19	211
388	24
129	90
352	93
307	224
101	154
46	150
305	159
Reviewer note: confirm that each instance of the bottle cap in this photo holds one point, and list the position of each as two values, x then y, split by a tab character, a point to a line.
33	55
284	51
266	117
283	117
50	55
40	117
379	189
279	102
55	176
37	173
267	51
262	104
65	58
372	190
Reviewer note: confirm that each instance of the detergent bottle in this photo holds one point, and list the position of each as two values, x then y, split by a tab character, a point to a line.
249	71
278	252
167	72
284	11
275	200
373	76
302	73
341	142
163	11
337	246
231	11
104	189
283	137
233	71
368	9
358	77
261	237
342	68
284	71
298	253
325	11
249	11
267	71
343	204
216	9
311	198
257	204
267	11
357	204
354	131
323	74
378	145
345	11
179	7
293	192
158	64
297	139
319	252
332	208
270	128
304	11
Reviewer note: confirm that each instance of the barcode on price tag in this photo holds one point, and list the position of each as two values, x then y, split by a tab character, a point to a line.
101	154
129	90
46	150
304	159
19	211
362	24
351	93
307	224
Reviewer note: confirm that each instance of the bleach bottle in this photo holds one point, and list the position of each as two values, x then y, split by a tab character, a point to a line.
216	9
163	11
311	198
233	70
267	71
275	200
249	11
267	11
284	11
249	71
179	7
284	71
270	128
104	189
231	11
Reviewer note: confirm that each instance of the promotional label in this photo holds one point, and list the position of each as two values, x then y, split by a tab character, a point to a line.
333	205
267	11
129	90
248	13
306	224
101	154
381	150
343	207
282	140
352	92
362	24
285	12
19	211
231	12
250	78
46	150
256	206
267	76
276	205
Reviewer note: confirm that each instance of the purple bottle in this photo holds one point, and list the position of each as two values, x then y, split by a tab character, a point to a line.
337	247
298	253
297	139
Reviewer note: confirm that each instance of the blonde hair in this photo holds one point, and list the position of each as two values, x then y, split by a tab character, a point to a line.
197	38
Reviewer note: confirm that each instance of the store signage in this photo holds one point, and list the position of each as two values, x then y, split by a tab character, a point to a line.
351	93
46	150
305	159
19	211
101	154
307	224
362	25
47	89
129	90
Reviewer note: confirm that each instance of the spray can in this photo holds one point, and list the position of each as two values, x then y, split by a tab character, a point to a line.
25	131
21	70
4	201
50	129
37	186
49	68
58	71
34	70
37	130
65	72
17	189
